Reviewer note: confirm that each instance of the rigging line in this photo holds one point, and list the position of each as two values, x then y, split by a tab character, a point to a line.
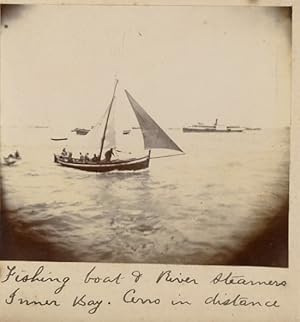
167	156
105	128
100	120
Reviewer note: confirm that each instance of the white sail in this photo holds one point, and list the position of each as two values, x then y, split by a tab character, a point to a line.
110	135
102	136
154	137
90	143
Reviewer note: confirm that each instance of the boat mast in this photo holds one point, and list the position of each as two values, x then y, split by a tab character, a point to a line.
106	123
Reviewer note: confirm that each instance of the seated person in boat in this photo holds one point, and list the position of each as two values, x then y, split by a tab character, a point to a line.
109	154
64	152
70	159
17	154
86	157
95	158
10	156
81	157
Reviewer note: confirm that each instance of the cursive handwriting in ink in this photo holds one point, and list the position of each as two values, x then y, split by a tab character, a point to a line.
129	298
180	302
36	277
12	299
238	300
231	279
82	301
107	279
272	304
167	277
137	275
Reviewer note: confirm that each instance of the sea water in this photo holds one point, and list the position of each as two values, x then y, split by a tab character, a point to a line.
197	208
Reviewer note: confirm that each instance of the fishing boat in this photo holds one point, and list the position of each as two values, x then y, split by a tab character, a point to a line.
200	127
153	137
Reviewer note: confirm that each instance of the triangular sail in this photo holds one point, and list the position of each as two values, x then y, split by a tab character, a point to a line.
110	136
154	136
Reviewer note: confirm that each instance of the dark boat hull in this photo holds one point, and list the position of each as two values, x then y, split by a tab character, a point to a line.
81	131
9	161
195	130
59	139
118	165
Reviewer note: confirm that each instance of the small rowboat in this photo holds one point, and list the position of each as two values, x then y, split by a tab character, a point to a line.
9	161
59	139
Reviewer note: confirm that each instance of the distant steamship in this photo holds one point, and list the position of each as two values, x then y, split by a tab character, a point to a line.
200	127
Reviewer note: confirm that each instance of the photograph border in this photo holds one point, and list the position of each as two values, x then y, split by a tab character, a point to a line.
289	309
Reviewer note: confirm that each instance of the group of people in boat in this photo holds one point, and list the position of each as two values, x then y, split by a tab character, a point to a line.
12	158
16	155
87	158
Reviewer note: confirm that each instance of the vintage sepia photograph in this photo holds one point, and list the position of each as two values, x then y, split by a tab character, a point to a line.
145	134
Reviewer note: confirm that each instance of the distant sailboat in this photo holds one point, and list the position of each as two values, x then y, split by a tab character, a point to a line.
153	136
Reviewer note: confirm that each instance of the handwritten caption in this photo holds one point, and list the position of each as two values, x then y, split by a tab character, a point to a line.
19	280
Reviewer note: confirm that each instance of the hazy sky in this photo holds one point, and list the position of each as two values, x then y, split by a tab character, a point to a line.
182	64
